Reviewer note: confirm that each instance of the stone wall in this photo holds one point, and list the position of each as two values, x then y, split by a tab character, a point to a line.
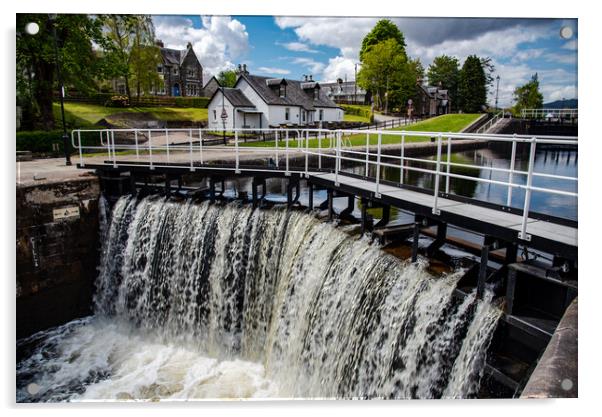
57	251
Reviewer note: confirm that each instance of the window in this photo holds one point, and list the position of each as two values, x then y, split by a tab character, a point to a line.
214	114
316	93
175	70
191	72
321	115
282	91
287	114
160	69
303	112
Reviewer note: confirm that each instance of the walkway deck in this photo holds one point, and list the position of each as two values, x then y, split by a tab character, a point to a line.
544	234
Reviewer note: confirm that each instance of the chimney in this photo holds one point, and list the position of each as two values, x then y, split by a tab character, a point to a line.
244	69
239	69
311	78
189	45
159	43
304	77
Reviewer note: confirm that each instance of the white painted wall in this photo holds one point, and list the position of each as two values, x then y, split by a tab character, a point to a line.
215	110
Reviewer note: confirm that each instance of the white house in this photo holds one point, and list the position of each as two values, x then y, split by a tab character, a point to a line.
261	102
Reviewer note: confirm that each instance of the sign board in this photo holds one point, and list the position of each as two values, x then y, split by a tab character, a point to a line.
224	114
65	213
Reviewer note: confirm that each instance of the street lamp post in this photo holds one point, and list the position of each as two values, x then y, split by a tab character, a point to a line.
355	85
32	29
497	89
61	90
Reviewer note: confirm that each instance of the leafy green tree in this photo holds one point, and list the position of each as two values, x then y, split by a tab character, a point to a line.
227	78
145	56
128	36
383	30
36	66
472	88
528	96
388	74
446	70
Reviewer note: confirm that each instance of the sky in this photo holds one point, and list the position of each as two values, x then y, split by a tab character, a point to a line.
328	47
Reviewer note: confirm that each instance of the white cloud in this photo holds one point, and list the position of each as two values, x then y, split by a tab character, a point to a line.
271	70
217	43
571	45
313	66
297	47
339	67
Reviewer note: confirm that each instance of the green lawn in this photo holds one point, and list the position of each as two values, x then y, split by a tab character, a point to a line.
354	118
446	123
87	115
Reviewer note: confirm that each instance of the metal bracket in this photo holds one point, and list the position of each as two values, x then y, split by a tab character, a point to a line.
436	212
336	184
377	195
527	236
237	171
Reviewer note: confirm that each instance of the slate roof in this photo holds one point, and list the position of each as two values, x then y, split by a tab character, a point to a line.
237	97
295	95
173	56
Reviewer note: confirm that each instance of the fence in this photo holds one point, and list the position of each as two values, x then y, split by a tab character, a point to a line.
549	113
188	147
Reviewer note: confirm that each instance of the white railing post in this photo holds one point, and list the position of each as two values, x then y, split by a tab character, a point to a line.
436	210
237	170
150	150
367	155
167	145
136	141
190	149
320	150
402	157
337	158
307	154
523	230
511	173
448	164
79	142
113	146
377	193
276	142
201	145
286	137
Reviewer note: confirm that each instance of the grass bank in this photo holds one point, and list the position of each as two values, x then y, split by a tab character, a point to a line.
87	115
446	123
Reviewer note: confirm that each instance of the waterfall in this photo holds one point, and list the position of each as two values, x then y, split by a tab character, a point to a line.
191	299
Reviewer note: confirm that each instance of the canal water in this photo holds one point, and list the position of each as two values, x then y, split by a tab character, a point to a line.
198	301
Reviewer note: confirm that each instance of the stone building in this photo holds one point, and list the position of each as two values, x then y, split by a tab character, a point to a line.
181	71
431	101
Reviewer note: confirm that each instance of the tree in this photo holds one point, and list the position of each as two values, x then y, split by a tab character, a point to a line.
36	63
383	30
145	56
472	88
446	70
387	73
528	95
129	36
227	78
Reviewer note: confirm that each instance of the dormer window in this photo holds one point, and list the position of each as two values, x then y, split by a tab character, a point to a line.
282	90
316	94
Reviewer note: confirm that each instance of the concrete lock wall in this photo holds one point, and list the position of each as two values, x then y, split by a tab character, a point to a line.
57	252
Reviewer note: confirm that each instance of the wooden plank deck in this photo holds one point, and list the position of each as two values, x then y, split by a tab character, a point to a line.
537	228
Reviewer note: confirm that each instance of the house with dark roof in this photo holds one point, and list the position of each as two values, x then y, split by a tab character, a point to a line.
181	71
431	101
211	87
347	92
257	102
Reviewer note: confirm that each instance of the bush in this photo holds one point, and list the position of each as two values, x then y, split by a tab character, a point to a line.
118	101
50	142
357	111
199	102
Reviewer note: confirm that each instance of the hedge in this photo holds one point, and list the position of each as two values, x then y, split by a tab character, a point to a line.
357	111
199	102
41	141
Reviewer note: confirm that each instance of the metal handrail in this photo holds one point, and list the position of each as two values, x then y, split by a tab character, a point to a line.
491	122
545	113
335	145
